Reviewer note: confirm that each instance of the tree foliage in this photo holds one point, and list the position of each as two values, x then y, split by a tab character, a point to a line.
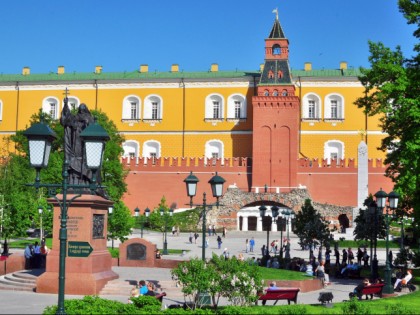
237	281
368	224
311	228
392	86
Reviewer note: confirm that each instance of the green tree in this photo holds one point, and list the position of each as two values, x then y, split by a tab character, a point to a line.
391	90
120	222
311	228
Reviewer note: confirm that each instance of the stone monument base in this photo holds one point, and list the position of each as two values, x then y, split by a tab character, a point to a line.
88	264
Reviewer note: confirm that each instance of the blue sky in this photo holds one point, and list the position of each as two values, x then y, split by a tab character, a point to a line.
122	35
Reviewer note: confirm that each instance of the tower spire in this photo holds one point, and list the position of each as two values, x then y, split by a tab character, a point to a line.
276	11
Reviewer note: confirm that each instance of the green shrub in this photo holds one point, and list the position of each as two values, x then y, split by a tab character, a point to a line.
95	305
354	307
293	309
115	253
399	308
233	310
146	301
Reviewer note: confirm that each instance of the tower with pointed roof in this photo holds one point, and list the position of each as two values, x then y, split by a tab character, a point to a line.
275	118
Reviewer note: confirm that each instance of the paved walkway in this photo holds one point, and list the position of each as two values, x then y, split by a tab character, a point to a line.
14	302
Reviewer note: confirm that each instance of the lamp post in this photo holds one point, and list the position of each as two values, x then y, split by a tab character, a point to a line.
216	184
111	211
165	216
268	222
40	138
141	218
41	234
288	214
373	220
393	203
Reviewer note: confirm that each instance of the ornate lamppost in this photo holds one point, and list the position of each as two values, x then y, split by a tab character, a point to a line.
165	217
40	138
374	220
141	218
216	183
41	234
288	214
393	203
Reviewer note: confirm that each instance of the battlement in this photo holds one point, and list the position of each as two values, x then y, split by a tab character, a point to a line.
181	164
349	163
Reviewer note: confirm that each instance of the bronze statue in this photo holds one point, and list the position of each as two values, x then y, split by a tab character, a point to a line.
73	150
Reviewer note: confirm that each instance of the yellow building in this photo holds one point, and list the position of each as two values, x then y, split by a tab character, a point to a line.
212	114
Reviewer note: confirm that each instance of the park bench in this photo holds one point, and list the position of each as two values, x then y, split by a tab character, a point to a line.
289	294
370	290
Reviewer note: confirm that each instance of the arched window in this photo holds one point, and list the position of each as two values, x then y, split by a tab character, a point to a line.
73	102
214	150
276	49
311	107
275	93
50	106
334	107
152	150
279	74
284	92
266	93
153	108
333	150
131	108
131	149
214	107
236	107
270	74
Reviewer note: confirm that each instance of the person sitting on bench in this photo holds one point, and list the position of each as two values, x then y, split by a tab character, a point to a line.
272	286
399	282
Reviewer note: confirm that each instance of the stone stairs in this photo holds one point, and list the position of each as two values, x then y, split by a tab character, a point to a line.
24	280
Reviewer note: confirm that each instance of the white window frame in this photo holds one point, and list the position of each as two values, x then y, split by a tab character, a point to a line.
151	149
333	147
131	148
127	108
46	106
213	147
209	107
307	100
232	105
151	114
73	102
328	110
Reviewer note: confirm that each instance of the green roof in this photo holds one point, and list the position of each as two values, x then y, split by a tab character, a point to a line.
155	75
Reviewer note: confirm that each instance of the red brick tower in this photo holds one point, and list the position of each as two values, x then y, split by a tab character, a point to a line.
275	118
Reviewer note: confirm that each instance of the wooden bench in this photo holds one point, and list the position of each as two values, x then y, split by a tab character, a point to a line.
289	294
370	290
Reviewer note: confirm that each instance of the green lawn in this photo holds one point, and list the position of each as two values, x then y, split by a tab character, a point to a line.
281	274
22	243
355	244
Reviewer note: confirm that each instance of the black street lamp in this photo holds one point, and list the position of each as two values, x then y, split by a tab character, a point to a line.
216	183
165	216
374	220
288	214
267	221
40	138
393	203
142	218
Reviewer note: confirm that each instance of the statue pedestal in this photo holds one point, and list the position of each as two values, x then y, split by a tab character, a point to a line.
88	261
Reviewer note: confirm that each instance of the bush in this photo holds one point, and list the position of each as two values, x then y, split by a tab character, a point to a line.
95	305
233	310
399	308
354	307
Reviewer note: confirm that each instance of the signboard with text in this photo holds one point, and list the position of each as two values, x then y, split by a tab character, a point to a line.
79	249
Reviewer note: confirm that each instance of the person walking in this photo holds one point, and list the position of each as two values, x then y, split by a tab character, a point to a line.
251	245
337	256
246	246
219	242
344	261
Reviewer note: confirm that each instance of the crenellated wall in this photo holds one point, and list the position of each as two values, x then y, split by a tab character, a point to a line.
334	184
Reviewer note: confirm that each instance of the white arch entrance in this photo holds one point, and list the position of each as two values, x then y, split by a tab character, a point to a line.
248	219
